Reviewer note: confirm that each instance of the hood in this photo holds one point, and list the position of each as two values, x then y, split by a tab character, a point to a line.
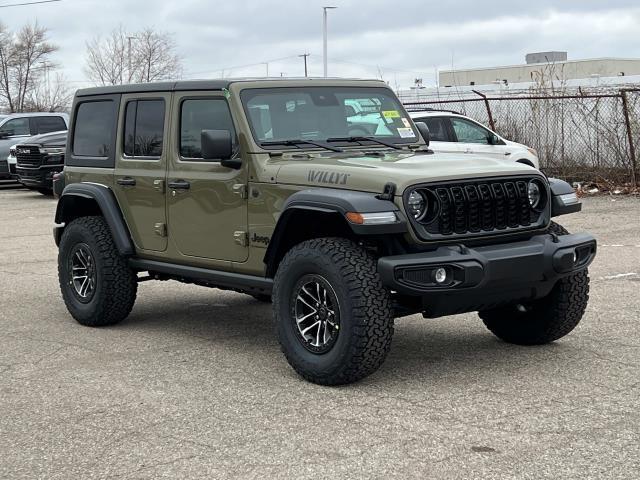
355	171
57	139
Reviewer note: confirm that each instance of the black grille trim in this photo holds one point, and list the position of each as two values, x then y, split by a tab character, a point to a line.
31	159
478	208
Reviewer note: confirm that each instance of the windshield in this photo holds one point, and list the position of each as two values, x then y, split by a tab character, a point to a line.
325	113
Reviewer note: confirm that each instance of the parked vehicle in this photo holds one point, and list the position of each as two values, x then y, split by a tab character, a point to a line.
452	132
260	186
39	159
18	127
11	162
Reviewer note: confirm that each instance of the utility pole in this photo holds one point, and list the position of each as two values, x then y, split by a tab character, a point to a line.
266	64
324	37
129	38
305	55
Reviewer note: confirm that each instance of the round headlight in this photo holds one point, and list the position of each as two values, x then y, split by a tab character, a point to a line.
416	204
535	194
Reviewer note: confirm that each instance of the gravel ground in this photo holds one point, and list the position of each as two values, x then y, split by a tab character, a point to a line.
193	384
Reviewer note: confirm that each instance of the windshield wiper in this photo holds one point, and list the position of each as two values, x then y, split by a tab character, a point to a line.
362	139
299	141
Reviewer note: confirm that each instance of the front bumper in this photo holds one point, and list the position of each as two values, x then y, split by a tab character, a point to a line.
40	177
486	277
4	169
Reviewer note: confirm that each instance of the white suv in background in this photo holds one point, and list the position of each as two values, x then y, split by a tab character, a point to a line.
452	132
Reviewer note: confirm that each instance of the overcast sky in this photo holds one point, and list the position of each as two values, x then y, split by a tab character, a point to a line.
398	40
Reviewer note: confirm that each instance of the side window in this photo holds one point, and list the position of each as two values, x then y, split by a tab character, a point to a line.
468	132
16	126
50	124
437	128
93	135
144	128
201	114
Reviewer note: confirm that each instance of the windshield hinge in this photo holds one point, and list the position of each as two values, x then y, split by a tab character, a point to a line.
388	193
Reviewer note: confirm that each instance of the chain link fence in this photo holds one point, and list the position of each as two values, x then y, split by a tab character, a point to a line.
579	136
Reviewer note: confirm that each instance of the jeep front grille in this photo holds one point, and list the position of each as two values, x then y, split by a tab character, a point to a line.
28	156
479	207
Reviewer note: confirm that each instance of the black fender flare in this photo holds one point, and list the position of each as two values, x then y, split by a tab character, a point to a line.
558	188
336	202
108	205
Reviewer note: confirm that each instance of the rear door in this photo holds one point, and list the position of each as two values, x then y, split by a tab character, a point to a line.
141	165
207	205
48	124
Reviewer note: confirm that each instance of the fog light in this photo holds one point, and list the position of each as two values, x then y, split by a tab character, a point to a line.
440	275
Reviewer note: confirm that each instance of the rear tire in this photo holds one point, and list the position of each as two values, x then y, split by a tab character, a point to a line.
353	308
98	286
547	319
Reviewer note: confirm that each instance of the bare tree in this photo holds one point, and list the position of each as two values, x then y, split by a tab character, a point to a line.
50	97
155	57
125	57
21	58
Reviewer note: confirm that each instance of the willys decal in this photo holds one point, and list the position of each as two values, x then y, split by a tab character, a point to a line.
324	176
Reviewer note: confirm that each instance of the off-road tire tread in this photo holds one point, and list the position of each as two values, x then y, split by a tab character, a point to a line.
559	313
372	313
119	285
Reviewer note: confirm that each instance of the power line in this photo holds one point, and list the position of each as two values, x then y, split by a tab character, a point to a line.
28	3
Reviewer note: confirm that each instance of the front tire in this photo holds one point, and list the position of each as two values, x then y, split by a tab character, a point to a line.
98	286
547	319
333	316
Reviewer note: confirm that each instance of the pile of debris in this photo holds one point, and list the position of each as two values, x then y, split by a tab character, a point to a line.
584	189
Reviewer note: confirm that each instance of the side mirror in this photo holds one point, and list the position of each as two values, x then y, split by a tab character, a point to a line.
216	144
4	135
424	131
492	139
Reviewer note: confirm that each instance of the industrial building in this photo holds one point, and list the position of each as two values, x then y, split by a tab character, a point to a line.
547	64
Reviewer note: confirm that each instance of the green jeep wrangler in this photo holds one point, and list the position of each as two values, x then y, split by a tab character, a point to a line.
320	195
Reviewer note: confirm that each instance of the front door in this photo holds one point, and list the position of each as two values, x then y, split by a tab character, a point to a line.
440	136
141	165
475	139
14	130
206	201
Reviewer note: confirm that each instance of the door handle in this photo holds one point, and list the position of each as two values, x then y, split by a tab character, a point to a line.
179	185
126	182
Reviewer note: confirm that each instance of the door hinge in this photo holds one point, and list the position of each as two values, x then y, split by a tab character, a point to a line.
158	185
241	238
240	189
160	229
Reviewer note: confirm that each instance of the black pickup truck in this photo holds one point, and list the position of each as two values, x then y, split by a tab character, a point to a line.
39	159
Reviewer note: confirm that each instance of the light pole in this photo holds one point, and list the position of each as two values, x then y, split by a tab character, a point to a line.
266	64
305	55
324	37
129	38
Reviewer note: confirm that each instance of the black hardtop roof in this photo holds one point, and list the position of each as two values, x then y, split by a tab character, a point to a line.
184	85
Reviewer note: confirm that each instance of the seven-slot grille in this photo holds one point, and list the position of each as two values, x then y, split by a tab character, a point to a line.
28	156
480	207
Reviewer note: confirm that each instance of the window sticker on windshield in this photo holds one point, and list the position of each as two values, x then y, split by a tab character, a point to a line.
406	122
391	114
406	133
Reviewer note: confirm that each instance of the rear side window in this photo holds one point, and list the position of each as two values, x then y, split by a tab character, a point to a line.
94	133
202	114
50	124
144	128
437	128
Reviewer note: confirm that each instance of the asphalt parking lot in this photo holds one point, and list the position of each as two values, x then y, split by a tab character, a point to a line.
193	384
